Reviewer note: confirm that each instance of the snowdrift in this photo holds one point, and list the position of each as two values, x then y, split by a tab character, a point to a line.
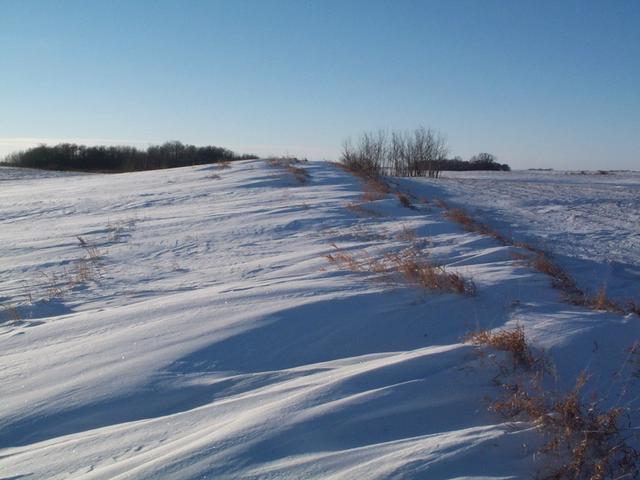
186	324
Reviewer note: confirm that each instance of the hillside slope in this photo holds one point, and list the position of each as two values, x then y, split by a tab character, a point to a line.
173	324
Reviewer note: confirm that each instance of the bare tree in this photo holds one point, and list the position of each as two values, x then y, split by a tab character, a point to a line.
418	153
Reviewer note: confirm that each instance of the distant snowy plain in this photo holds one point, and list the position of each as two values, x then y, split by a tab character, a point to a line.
216	341
590	221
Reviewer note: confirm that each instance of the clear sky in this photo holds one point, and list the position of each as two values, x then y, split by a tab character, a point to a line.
537	83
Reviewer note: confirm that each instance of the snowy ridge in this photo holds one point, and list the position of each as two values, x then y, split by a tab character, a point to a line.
216	341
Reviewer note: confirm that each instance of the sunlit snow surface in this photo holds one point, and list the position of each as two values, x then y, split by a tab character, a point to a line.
590	221
218	342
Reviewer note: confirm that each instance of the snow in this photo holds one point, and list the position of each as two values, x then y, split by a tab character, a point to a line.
215	340
590	221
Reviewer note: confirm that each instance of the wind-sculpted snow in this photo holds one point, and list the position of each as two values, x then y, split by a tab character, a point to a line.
211	338
11	173
589	221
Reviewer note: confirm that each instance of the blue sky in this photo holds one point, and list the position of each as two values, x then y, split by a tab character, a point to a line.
537	83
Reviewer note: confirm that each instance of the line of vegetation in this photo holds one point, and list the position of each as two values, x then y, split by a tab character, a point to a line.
422	152
542	262
72	157
290	165
407	266
584	438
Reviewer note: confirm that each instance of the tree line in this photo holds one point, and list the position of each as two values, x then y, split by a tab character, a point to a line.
422	152
69	156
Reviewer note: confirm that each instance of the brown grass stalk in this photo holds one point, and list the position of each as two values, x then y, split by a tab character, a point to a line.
431	277
407	235
374	189
471	225
404	200
583	440
361	211
512	341
300	174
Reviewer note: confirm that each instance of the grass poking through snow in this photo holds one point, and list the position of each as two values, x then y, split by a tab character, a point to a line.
404	200
508	340
582	439
407	266
290	164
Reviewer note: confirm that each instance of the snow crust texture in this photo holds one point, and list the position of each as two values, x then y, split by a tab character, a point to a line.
590	221
186	324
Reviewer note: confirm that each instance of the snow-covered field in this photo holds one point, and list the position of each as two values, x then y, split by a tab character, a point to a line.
211	338
589	221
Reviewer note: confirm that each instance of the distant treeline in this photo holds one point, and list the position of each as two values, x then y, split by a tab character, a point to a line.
69	156
482	161
422	152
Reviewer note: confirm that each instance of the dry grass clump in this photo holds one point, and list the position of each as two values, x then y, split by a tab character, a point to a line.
290	165
559	277
600	301
214	176
93	254
525	246
364	263
223	165
361	211
583	440
471	225
436	278
344	259
54	286
517	403
407	235
431	277
10	314
116	230
83	270
463	219
512	341
441	203
404	200
359	169
561	280
374	189
586	439
357	232
405	265
300	174
283	161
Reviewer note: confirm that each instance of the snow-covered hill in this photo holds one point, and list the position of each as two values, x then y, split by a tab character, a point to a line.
186	324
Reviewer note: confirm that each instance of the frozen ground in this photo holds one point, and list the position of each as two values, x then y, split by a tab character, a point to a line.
214	340
591	222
